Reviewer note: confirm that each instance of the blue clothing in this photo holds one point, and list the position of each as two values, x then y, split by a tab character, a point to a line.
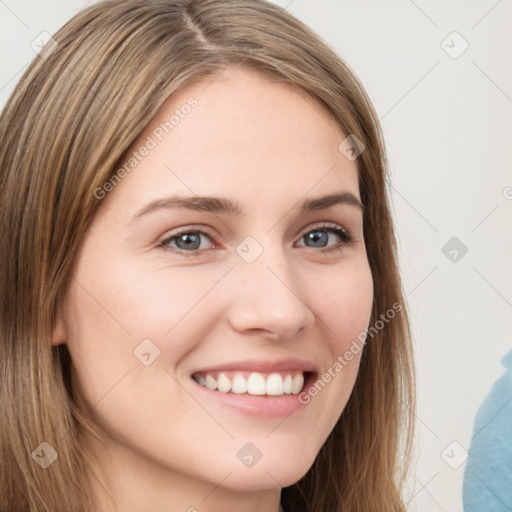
488	474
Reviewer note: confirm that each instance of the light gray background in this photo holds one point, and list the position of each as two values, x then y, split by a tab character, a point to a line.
448	127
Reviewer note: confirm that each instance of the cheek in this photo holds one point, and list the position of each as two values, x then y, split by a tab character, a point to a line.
153	297
129	302
113	311
346	305
112	315
345	309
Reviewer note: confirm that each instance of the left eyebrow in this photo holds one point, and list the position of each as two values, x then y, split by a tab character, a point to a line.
323	202
226	206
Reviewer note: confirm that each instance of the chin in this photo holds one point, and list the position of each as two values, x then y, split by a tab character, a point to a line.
264	479
275	469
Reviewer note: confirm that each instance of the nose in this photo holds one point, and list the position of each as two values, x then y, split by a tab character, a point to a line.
266	299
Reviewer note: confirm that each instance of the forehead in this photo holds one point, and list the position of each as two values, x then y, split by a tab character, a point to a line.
242	133
242	111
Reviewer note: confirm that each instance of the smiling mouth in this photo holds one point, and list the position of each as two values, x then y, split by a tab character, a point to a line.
273	384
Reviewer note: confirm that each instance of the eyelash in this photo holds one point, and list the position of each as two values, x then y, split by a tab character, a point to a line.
346	239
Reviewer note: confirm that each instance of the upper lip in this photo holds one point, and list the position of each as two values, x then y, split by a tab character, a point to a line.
262	365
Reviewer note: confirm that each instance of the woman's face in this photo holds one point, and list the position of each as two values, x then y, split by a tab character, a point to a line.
164	291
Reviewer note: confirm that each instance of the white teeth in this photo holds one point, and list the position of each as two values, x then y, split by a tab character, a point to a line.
255	384
287	384
223	383
239	385
210	382
298	382
274	384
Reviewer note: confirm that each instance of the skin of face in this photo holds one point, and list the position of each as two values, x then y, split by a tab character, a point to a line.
262	143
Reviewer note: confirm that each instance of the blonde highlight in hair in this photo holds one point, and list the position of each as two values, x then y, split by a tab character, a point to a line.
63	132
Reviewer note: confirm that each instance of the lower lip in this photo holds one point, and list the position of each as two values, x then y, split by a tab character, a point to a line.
260	405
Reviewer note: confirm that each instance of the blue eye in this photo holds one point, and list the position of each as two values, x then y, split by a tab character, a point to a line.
322	240
188	242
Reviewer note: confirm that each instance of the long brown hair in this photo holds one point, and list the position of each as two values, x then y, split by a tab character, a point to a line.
73	115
